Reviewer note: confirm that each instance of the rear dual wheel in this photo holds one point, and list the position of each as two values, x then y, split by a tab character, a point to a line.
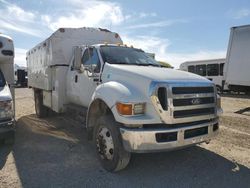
41	110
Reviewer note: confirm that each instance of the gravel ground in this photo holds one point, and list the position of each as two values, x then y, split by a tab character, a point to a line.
54	152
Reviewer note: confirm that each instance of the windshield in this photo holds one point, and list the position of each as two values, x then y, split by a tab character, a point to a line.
125	55
2	80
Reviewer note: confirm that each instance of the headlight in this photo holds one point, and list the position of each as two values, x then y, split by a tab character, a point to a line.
6	109
130	109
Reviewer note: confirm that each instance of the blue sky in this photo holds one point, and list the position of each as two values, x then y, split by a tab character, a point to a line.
176	31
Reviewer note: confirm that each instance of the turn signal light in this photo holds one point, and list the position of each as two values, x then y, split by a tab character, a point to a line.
130	109
124	109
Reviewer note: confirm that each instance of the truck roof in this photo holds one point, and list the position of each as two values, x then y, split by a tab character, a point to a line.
240	26
5	36
83	32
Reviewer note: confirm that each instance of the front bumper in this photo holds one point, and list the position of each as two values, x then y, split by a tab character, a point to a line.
7	129
141	140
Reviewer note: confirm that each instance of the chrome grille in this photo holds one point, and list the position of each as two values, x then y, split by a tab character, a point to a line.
192	90
186	102
193	112
191	101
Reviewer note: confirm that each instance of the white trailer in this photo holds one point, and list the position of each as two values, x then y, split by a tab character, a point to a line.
133	104
237	67
7	95
211	69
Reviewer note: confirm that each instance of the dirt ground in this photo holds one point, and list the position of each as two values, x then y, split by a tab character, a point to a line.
54	152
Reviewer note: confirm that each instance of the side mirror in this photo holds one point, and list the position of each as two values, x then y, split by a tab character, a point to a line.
90	69
78	56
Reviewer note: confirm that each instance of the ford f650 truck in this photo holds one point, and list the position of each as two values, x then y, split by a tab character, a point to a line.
133	104
7	129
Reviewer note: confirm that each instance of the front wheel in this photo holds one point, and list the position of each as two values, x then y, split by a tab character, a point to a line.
10	140
107	137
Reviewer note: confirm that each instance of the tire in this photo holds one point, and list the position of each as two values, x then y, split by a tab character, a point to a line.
107	135
41	110
10	140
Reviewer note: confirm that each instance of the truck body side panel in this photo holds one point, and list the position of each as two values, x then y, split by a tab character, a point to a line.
238	57
58	50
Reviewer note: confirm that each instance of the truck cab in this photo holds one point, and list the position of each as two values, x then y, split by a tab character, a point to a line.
133	104
6	89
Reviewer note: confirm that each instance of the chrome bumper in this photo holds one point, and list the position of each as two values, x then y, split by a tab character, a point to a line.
144	140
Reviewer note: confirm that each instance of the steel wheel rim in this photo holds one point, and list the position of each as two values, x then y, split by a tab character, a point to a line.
105	145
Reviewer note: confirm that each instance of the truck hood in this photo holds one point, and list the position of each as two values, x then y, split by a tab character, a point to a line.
152	73
5	94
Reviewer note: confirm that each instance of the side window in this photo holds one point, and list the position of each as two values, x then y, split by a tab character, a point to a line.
201	70
221	69
213	70
90	57
191	68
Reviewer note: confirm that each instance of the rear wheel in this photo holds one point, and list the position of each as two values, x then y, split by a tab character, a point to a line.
107	137
41	110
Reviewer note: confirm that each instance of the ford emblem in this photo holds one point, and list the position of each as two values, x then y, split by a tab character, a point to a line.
195	101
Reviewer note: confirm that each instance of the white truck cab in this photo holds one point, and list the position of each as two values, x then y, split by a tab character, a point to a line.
7	128
133	104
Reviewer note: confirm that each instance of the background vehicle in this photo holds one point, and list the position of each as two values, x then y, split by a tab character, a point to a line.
236	72
21	77
133	104
212	69
6	89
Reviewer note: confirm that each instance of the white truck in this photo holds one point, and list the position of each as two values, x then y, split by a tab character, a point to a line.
133	104
237	66
7	122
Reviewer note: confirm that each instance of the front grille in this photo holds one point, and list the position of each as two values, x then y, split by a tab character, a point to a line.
193	112
162	96
189	101
192	90
184	103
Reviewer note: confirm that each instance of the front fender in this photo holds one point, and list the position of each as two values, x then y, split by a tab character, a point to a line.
113	92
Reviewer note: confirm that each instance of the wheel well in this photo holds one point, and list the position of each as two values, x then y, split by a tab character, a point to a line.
37	90
97	108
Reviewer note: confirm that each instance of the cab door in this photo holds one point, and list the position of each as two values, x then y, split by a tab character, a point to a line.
88	78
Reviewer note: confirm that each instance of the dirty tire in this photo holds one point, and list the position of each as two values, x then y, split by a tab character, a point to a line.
10	140
41	110
120	157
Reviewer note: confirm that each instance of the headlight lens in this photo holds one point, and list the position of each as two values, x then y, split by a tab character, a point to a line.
6	109
130	109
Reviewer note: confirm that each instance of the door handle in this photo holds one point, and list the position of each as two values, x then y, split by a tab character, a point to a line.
76	78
